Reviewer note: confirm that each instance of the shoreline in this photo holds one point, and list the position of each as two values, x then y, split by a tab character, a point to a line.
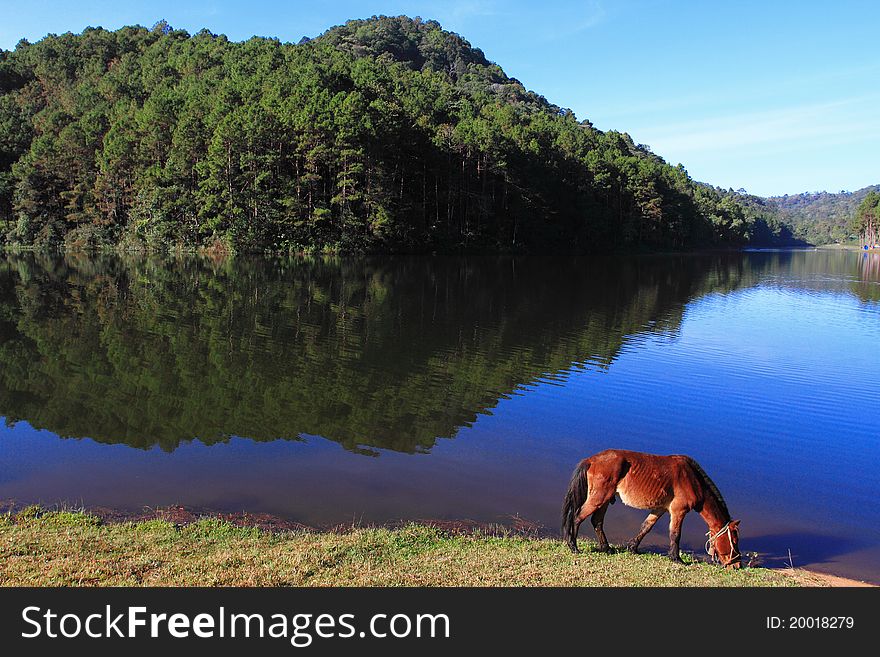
201	251
445	535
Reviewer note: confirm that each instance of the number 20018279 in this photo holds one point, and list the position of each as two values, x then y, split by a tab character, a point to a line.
810	623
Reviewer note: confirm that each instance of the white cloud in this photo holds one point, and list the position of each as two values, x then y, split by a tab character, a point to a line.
463	9
589	14
766	93
845	121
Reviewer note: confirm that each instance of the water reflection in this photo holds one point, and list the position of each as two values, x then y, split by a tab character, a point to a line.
389	353
867	287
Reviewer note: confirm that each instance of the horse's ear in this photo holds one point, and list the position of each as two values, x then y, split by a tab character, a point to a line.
734	524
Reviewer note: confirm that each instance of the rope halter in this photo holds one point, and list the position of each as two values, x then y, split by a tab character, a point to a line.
710	542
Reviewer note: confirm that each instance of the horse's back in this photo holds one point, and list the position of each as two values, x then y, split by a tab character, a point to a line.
647	481
656	463
644	459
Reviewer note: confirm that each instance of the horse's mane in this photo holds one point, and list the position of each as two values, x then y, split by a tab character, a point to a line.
710	485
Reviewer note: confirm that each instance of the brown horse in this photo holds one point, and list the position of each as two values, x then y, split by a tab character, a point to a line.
657	483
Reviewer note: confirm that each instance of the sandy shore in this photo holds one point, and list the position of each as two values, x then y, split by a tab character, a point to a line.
813	578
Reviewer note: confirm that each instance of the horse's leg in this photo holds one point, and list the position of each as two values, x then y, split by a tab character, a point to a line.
647	525
598	519
676	517
598	498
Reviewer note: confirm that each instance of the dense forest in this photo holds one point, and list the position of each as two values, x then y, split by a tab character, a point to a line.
381	135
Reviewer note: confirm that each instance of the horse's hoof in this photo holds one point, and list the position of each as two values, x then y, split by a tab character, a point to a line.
573	548
603	548
632	548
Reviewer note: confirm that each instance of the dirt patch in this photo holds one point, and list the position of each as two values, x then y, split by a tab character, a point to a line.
181	516
812	578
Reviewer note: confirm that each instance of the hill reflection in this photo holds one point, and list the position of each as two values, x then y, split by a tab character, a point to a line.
388	353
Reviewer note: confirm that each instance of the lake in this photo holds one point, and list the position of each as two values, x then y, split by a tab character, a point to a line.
372	390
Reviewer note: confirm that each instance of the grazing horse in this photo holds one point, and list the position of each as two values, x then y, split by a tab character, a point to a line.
658	484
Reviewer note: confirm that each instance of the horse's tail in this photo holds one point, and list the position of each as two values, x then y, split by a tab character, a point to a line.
574	499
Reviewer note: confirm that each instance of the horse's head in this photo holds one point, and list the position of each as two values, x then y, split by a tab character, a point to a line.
723	545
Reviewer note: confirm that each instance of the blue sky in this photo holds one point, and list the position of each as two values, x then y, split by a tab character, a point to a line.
774	97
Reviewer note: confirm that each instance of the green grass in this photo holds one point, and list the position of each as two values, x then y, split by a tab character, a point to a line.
62	548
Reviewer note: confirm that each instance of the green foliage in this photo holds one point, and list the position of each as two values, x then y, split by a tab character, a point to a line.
387	134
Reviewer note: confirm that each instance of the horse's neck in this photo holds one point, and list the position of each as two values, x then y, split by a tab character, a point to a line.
714	514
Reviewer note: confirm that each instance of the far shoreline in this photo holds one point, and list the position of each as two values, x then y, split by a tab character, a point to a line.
201	251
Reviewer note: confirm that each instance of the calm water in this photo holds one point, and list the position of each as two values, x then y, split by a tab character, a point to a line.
374	390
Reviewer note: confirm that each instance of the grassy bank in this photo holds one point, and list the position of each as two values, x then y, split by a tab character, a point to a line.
77	549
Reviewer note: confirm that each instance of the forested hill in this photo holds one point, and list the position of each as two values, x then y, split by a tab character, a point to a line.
388	134
821	217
